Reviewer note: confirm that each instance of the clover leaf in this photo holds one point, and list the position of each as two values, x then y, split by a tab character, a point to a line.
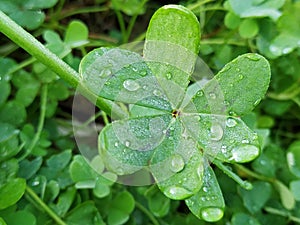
26	13
174	129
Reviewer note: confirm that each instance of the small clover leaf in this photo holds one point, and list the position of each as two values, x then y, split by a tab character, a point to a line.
174	129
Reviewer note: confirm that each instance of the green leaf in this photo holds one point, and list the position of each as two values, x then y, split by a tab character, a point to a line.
85	213
179	176
27	93
13	112
295	187
251	8
64	201
2	222
11	192
29	168
128	145
208	204
232	21
293	158
76	34
242	218
256	198
286	196
173	47
121	207
158	203
248	28
80	170
130	7
222	94
122	76
4	90
26	13
21	217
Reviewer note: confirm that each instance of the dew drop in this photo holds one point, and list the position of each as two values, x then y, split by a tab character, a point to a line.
238	69
200	171
143	73
105	73
230	122
226	103
157	93
287	50
200	93
134	69
212	95
226	68
257	102
212	214
241	76
178	193
275	50
245	141
232	113
119	171
216	132
169	75
244	153
205	189
127	143
116	144
253	57
177	163
131	85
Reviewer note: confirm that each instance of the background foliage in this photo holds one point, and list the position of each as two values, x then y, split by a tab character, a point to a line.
43	178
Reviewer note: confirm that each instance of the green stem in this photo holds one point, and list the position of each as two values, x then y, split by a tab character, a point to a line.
147	213
282	213
244	184
36	49
253	174
130	27
82	11
37	135
43	206
44	55
122	25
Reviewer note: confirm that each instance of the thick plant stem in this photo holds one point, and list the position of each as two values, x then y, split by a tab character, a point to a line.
49	211
36	49
41	53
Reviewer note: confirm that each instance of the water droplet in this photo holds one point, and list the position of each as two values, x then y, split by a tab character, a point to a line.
199	93
212	214
205	189
226	103
35	182
244	153
200	171
238	69
143	73
131	85
232	113
145	87
177	193
241	76
275	50
254	57
257	102
105	73
169	76
245	141
119	171
212	95
157	92
177	163
127	143
230	122
134	69
287	50
226	68
216	132
116	144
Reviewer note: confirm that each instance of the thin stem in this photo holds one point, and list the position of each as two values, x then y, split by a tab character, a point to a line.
198	4
43	206
282	213
253	174
244	184
23	64
105	119
130	27
122	25
221	41
82	11
147	213
44	93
